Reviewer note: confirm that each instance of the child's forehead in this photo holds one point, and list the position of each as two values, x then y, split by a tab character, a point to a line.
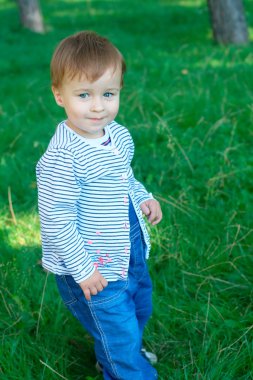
110	74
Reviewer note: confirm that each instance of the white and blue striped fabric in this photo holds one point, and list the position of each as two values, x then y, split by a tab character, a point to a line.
83	195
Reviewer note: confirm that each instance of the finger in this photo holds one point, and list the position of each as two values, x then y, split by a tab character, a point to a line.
99	287
93	291
87	294
156	221
104	282
145	209
158	218
152	215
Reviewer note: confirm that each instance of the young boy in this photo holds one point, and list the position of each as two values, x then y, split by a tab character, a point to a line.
93	234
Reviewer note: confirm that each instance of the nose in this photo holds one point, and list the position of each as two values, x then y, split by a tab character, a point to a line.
97	104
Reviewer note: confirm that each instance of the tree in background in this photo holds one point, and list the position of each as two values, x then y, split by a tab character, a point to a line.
228	21
30	15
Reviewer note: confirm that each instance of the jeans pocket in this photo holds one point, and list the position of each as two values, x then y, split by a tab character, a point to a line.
65	287
109	295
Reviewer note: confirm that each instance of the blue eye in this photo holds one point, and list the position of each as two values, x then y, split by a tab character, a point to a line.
84	95
108	94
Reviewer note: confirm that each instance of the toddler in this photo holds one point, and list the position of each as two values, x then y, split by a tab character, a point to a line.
94	237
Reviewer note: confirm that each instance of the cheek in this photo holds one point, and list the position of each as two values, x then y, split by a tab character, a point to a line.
115	107
75	108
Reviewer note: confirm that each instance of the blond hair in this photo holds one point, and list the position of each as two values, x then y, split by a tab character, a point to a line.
84	53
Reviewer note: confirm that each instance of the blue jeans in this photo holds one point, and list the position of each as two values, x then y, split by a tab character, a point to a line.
116	317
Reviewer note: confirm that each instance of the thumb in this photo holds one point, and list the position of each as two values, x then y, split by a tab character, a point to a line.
145	209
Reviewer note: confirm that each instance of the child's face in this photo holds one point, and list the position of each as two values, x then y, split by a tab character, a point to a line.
90	106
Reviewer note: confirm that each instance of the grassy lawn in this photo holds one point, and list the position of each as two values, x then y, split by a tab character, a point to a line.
188	104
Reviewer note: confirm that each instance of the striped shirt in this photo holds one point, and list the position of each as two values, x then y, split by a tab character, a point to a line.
83	197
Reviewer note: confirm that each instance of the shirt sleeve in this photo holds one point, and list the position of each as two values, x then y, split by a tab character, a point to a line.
58	194
140	192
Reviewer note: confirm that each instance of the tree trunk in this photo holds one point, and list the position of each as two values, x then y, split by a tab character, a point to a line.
30	15
228	21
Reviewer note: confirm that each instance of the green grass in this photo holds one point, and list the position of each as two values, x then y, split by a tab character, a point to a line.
188	104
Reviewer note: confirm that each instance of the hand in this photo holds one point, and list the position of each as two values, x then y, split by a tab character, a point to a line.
94	284
151	208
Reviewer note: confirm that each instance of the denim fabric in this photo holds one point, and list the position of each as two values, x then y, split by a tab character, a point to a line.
116	317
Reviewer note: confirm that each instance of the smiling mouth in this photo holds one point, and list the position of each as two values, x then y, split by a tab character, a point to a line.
96	118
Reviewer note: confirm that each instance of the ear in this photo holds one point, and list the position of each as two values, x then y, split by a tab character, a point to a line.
57	95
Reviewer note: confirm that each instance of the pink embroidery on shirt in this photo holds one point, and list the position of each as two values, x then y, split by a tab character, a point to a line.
125	199
126	250
101	260
108	258
124	273
98	251
90	242
96	265
98	232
